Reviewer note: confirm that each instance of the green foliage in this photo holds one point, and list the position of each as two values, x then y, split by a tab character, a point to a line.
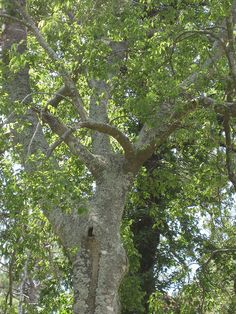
163	304
60	186
27	243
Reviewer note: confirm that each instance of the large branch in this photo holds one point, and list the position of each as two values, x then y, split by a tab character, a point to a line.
219	107
75	146
59	95
77	100
170	120
167	120
121	138
93	162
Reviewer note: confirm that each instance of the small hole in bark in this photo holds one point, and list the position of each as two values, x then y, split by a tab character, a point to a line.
90	232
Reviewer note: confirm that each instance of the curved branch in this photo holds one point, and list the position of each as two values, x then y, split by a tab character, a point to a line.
220	108
54	101
167	120
121	138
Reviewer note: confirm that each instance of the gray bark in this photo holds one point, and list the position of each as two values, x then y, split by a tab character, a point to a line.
101	261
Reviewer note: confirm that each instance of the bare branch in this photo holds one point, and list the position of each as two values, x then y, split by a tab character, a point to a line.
57	96
219	107
168	119
32	139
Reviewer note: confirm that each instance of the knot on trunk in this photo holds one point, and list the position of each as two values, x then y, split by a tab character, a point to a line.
90	232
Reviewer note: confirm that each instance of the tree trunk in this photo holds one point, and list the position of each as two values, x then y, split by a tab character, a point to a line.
101	262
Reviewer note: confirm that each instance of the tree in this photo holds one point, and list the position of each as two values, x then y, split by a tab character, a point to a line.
90	92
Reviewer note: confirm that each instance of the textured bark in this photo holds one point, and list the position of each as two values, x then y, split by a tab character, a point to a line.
98	112
101	261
